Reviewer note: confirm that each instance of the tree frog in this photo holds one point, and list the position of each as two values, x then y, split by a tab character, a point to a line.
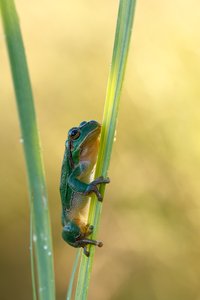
81	149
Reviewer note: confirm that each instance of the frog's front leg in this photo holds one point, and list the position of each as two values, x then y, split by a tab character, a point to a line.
93	186
85	188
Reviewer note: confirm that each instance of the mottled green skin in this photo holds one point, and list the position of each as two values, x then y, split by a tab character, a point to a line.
79	159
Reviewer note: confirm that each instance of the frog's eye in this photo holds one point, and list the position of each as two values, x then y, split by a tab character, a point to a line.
82	123
74	133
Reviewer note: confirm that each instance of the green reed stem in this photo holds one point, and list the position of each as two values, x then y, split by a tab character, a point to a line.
31	143
32	256
71	282
115	80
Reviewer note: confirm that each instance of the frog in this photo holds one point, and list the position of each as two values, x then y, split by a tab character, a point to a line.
77	185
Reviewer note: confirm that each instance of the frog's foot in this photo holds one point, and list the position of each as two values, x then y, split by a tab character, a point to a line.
84	242
88	230
92	187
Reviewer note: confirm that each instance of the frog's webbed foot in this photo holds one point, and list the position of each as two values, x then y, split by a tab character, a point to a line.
93	186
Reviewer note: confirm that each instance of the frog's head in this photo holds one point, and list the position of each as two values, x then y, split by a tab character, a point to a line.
71	232
83	141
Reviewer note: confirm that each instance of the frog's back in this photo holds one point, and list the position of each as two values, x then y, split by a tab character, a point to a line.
65	190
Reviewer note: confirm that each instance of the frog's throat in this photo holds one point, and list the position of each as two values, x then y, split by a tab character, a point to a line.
89	142
93	135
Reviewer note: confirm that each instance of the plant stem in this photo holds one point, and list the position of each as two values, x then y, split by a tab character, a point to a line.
31	143
32	256
71	282
115	80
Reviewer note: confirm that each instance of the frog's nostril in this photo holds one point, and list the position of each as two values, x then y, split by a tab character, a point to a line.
82	123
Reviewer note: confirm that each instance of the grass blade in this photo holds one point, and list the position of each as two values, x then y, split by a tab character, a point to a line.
30	138
32	256
71	282
115	80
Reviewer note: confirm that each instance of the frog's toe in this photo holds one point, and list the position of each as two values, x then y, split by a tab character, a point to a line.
91	227
86	252
106	180
100	180
98	194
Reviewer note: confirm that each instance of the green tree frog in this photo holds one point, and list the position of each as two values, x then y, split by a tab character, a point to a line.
81	149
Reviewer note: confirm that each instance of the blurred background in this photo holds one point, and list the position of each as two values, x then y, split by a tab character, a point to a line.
151	215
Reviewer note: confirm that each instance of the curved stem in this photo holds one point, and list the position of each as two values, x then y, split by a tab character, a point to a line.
31	145
115	80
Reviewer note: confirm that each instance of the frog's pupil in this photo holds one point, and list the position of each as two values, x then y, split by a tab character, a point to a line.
74	132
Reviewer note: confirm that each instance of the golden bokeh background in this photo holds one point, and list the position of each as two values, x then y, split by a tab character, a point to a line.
151	215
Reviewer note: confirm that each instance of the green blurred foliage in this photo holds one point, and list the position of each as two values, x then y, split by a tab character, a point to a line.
150	222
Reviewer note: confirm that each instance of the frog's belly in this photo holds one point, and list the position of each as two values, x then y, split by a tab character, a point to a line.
80	208
80	203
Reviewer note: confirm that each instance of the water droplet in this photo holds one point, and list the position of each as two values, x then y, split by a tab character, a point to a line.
34	237
21	140
45	247
49	253
41	289
44	199
115	136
